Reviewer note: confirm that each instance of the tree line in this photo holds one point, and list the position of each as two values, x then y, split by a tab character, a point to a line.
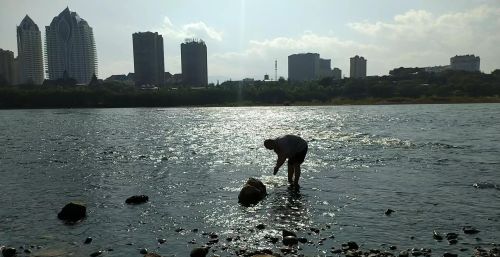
403	83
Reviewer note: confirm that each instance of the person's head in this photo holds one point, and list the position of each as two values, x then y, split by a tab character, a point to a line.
269	144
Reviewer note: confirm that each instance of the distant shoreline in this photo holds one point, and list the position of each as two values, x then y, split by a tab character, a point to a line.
332	102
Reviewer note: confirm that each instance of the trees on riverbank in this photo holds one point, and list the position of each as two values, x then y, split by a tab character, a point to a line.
399	85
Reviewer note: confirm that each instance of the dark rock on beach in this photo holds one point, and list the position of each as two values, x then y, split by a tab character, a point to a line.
95	254
252	192
389	212
447	254
437	236
137	199
288	233
143	251
73	212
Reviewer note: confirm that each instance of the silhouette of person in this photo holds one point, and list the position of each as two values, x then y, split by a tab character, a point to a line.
290	147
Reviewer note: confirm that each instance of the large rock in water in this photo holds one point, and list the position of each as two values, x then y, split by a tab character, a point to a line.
252	192
73	212
137	199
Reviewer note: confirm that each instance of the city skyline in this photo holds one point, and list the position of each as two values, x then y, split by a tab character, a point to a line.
246	41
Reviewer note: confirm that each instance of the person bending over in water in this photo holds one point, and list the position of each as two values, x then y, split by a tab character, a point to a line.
290	147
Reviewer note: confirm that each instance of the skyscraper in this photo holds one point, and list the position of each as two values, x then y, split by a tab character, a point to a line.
29	48
7	74
194	63
304	67
70	48
358	67
149	66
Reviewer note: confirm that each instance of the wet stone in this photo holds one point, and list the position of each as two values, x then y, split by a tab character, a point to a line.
199	252
9	252
72	212
470	230
403	254
162	240
315	230
28	251
389	212
261	226
288	233
452	241
450	236
302	240
143	251
290	240
393	247
447	254
137	199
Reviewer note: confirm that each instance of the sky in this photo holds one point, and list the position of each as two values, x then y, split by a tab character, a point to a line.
245	37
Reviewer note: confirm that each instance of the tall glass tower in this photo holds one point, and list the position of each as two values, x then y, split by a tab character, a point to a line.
29	48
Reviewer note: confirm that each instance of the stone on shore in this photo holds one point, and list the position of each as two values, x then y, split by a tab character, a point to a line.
73	212
470	230
137	199
252	192
290	240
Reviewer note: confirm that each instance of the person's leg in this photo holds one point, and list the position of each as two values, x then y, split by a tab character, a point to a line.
297	175
290	173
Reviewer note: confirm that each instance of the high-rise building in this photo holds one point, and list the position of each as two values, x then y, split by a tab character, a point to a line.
325	68
194	63
337	73
29	48
149	64
70	48
465	62
7	70
358	67
303	67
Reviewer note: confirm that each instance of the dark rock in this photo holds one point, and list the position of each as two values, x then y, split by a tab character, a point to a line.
315	230
229	239
95	254
88	240
72	212
143	251
389	211
137	199
28	251
290	240
470	230
337	251
350	246
393	247
199	252
447	254
302	240
452	241
261	226
213	235
464	249
286	233
9	252
437	236
162	240
252	192
450	236
195	230
179	230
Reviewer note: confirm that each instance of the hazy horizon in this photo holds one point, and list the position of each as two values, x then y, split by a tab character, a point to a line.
245	37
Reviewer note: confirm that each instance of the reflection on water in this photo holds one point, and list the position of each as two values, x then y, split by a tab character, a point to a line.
421	161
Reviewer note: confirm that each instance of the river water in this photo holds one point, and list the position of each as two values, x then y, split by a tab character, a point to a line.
419	160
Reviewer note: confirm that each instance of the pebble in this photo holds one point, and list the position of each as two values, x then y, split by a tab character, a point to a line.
447	254
389	212
143	251
261	226
162	240
8	252
470	230
290	240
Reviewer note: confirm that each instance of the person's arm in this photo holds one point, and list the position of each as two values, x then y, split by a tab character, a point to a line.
279	162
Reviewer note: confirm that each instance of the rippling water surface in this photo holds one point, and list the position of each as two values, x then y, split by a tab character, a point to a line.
419	160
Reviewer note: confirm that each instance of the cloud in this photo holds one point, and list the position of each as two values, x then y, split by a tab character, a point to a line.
416	38
419	37
192	30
